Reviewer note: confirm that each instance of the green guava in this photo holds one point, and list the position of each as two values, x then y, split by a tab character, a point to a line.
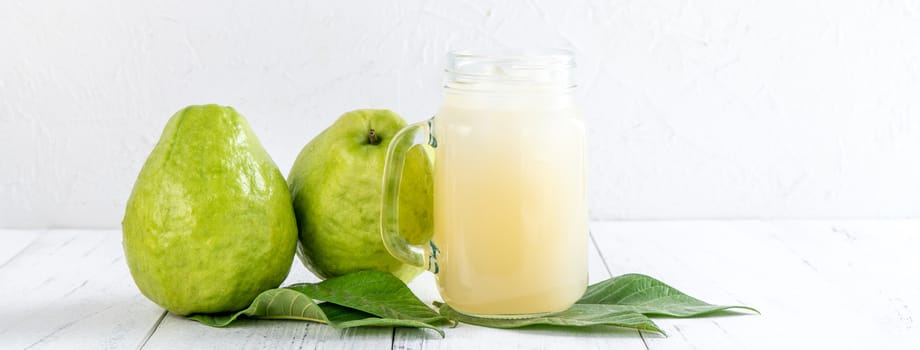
209	224
336	186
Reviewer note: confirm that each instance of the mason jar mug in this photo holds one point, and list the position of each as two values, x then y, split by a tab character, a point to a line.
510	214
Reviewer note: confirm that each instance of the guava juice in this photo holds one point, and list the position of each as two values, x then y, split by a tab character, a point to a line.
509	203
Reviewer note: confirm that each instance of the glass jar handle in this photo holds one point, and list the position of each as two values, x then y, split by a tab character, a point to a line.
424	256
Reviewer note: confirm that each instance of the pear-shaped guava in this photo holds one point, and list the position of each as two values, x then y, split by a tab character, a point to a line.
209	224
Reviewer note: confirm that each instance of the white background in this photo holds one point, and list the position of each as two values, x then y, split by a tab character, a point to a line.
697	109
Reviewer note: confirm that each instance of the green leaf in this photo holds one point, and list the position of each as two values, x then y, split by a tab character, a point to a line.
344	317
576	316
379	299
624	301
271	304
377	293
650	297
295	304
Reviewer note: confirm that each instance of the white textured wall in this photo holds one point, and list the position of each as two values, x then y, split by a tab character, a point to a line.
697	109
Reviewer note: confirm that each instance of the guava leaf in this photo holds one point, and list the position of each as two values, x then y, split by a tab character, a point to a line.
290	304
377	293
373	298
271	304
344	317
624	301
576	316
650	297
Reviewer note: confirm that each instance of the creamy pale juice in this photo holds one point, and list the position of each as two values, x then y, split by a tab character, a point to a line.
510	214
510	209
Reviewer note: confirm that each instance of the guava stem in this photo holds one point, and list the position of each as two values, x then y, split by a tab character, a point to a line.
372	137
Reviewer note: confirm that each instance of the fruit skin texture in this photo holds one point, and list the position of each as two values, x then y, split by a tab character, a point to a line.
336	185
209	224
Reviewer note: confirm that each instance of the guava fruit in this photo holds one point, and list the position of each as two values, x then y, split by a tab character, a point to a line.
209	224
336	186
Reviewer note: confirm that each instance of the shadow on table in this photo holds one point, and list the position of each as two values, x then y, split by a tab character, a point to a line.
463	329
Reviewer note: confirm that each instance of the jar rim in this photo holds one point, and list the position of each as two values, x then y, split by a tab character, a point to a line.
473	69
546	55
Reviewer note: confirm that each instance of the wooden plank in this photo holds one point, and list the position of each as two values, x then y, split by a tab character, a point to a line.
14	242
842	284
178	332
817	287
466	336
874	263
71	290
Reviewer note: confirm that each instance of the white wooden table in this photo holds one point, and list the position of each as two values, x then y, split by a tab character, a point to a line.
819	285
